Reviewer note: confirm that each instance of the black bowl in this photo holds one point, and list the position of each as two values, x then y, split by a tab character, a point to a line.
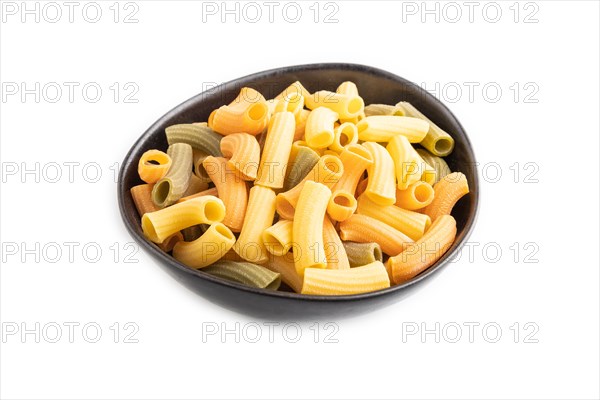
375	86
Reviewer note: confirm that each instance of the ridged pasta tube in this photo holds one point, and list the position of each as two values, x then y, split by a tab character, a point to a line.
383	109
355	159
173	185
319	131
408	164
416	196
307	226
364	229
198	136
232	190
207	249
259	216
153	165
437	163
422	254
381	128
243	152
158	225
331	282
362	253
327	171
285	266
344	135
447	193
335	253
437	141
349	88
411	223
345	106
142	198
248	113
275	155
278	238
381	187
341	205
245	273
303	162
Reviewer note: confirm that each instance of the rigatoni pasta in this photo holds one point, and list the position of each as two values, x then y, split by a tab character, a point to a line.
314	190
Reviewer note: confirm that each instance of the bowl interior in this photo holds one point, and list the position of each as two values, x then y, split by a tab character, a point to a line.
374	85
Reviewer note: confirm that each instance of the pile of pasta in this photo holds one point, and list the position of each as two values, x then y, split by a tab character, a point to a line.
317	190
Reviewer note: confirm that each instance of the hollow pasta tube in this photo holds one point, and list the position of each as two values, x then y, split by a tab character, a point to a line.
447	192
319	131
207	249
259	216
307	227
246	273
415	197
355	159
285	266
173	185
341	205
437	141
199	136
422	254
243	152
335	253
381	128
142	198
383	109
159	225
248	112
153	165
381	187
303	162
331	282
408	164
345	106
301	119
362	253
343	135
278	238
364	229
275	155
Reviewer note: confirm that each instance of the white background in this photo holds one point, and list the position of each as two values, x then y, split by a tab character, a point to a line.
170	54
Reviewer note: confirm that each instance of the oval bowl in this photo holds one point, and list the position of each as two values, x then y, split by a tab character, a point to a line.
375	86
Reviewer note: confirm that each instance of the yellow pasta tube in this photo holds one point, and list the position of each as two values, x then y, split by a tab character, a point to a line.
422	254
301	119
381	187
207	192
278	238
293	103
294	88
276	153
343	135
345	106
319	131
411	223
231	188
381	128
327	171
285	266
415	197
159	225
341	205
307	227
153	165
142	198
207	249
243	152
331	282
349	88
429	174
408	163
248	112
259	216
355	159
335	253
447	192
437	141
363	229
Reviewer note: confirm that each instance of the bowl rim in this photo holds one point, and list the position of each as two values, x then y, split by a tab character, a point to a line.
172	262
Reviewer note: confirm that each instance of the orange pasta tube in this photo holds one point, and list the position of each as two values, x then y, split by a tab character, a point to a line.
243	152
355	159
276	153
327	171
415	197
153	165
411	223
364	229
232	190
207	192
422	254
142	198
307	228
447	192
381	187
335	253
248	113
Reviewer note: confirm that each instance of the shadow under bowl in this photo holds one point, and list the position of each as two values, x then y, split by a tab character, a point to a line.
375	86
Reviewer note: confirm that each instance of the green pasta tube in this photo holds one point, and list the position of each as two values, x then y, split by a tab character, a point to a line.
360	254
305	160
194	232
438	163
174	184
383	109
437	141
245	273
198	136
